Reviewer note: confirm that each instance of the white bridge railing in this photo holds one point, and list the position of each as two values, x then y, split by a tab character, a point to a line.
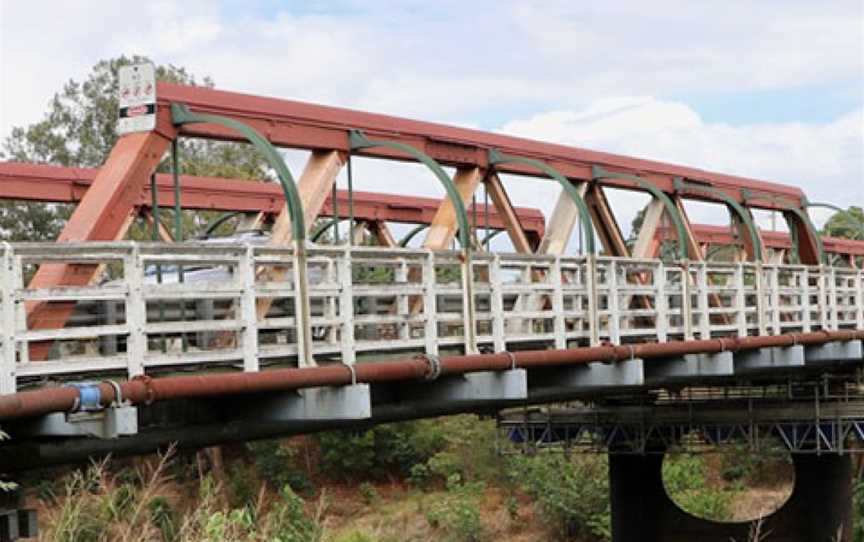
181	306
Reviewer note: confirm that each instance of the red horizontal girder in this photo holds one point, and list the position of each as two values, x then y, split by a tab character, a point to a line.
309	126
67	185
719	235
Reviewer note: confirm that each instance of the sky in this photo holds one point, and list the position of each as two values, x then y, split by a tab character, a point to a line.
766	89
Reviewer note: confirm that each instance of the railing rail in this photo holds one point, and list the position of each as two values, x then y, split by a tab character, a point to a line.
188	304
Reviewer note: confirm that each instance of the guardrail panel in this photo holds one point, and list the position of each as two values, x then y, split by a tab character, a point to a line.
195	304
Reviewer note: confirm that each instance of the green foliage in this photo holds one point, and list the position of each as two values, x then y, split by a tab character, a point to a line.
370	494
90	506
848	224
286	521
386	449
79	129
290	521
98	507
243	484
511	503
163	516
469	450
458	513
420	475
572	494
739	463
448	273
372	274
278	465
684	478
354	536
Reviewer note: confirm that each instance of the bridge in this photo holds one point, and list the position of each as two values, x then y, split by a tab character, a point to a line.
629	348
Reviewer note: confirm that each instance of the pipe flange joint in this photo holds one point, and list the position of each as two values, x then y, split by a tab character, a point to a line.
150	393
118	392
434	363
89	397
512	358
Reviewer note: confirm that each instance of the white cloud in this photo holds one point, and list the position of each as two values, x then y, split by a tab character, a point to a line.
826	160
593	66
446	60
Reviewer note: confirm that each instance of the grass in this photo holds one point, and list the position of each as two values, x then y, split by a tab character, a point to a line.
435	480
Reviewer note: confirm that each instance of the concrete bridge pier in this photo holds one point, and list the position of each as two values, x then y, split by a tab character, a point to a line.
819	509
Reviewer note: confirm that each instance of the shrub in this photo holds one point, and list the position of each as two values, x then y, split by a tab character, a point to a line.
740	463
163	516
243	484
469	450
684	478
391	448
290	523
278	465
445	464
286	520
370	494
571	493
420	475
458	513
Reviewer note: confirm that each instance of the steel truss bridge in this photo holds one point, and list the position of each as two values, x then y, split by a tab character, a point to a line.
116	346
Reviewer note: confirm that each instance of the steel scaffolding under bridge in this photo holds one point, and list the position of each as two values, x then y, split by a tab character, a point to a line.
115	346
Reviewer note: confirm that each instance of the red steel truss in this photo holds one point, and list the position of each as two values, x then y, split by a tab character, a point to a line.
35	182
120	186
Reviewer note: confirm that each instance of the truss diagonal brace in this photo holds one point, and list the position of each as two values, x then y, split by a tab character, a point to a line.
791	207
358	140
497	157
805	219
598	173
681	184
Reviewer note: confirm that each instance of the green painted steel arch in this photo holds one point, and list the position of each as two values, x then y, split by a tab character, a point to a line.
181	114
497	157
598	172
358	140
737	208
412	234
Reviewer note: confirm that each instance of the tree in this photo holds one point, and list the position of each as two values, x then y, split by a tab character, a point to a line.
848	224
79	129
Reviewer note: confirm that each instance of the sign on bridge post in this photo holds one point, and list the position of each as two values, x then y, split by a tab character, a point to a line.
137	96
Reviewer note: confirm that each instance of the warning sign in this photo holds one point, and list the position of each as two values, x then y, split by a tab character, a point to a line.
137	99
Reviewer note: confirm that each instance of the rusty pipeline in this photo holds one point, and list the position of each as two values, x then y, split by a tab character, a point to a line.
145	390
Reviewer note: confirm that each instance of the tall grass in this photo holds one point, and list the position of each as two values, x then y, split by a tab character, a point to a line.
98	506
